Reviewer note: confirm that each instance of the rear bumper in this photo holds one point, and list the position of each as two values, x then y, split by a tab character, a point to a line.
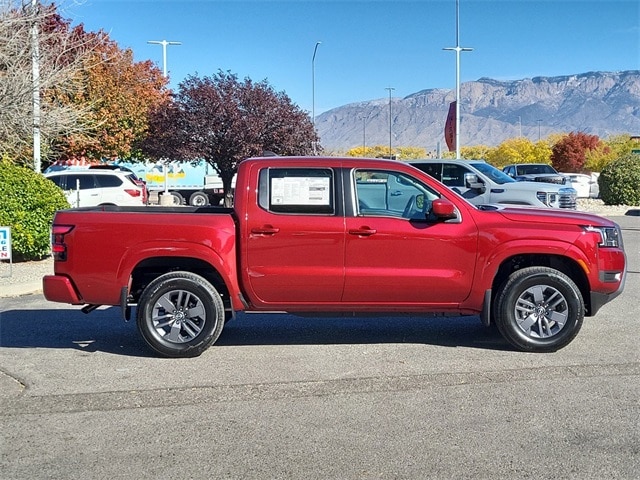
57	288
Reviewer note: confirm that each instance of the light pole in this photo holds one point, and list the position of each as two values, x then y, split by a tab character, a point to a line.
539	129
519	126
390	118
164	44
458	49
313	92
35	70
364	136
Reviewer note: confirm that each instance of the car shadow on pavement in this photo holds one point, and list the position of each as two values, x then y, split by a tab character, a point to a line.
282	329
104	330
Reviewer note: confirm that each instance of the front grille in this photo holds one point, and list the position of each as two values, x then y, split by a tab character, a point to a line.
557	180
568	201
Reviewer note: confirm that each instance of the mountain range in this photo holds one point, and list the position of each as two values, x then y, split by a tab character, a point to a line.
491	111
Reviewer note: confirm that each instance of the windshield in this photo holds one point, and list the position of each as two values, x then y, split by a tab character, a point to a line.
493	173
535	169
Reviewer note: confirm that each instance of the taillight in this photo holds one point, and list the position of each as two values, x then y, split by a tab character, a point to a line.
133	192
58	247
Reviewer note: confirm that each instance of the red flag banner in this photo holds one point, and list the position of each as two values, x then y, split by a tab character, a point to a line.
450	127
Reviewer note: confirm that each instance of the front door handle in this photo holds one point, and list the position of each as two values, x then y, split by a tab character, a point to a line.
363	231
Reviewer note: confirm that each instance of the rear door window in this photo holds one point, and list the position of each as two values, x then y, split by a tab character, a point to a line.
297	190
85	182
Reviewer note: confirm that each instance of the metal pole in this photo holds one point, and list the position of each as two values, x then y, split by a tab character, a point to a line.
164	44
35	67
390	118
539	129
364	136
458	49
313	92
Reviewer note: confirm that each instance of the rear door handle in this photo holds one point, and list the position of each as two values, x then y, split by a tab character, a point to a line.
266	230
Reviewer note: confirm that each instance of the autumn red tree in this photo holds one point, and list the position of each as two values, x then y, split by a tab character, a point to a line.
223	121
569	153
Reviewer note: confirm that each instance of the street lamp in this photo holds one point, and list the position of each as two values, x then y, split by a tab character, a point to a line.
390	90
35	69
364	136
313	92
458	49
164	44
539	129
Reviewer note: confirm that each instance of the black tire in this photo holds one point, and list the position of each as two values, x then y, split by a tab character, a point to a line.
199	199
180	314
178	199
539	309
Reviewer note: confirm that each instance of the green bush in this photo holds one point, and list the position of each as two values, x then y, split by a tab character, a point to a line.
620	181
27	204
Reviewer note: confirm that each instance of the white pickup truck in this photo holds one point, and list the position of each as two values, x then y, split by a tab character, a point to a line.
481	183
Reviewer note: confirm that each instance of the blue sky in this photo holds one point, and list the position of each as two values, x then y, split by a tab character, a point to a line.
369	45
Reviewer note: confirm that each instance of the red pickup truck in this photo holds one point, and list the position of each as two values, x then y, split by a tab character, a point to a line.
312	235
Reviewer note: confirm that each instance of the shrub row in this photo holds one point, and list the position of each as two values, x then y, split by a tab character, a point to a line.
620	181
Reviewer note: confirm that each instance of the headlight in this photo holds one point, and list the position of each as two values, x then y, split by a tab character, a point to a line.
568	191
609	236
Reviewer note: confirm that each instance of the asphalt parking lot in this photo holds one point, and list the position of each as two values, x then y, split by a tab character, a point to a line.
323	398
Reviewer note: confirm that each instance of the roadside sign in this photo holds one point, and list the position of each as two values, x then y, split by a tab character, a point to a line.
5	248
5	243
636	151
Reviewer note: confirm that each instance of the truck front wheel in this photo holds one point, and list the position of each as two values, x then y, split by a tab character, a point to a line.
180	314
539	309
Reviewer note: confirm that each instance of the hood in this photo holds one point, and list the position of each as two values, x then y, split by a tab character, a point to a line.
546	215
529	185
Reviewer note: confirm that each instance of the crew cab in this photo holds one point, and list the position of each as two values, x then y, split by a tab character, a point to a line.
313	235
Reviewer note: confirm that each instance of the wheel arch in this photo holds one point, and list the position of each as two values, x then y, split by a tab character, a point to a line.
564	264
151	268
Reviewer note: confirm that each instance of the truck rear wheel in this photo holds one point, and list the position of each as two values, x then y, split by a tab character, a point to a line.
539	309
180	314
199	199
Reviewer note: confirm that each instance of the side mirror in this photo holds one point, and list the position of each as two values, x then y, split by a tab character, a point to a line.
443	209
471	181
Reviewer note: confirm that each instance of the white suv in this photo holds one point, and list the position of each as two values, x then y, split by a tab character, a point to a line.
90	188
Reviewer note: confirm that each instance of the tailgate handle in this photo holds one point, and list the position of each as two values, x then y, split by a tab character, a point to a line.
363	231
266	230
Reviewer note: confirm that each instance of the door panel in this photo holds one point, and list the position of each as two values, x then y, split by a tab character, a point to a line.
405	258
295	239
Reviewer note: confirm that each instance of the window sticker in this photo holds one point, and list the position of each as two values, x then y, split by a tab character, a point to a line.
300	191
